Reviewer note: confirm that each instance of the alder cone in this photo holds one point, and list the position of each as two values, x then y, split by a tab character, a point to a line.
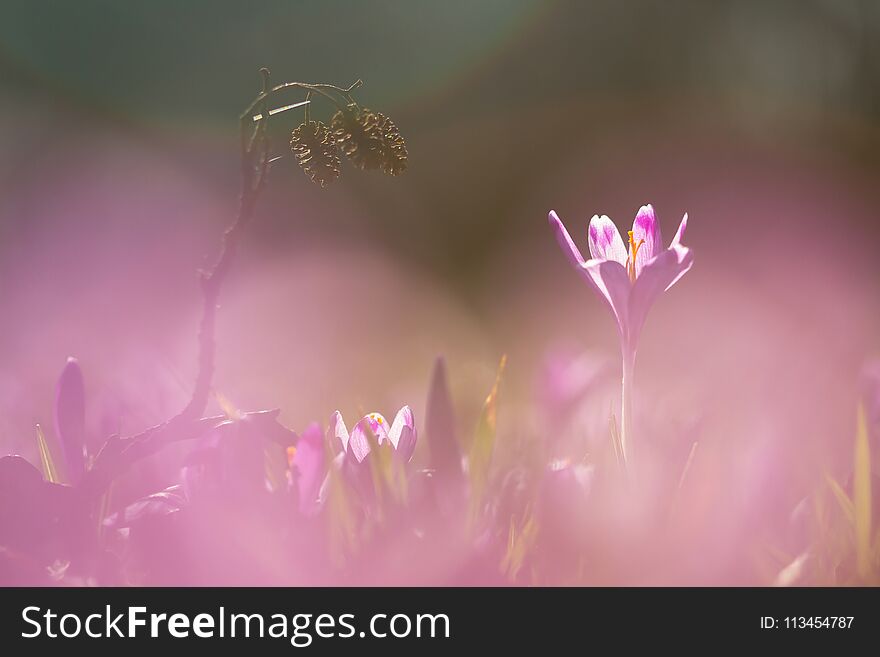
370	140
314	147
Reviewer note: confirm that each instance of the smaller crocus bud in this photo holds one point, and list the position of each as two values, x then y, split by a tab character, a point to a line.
401	434
70	403
376	454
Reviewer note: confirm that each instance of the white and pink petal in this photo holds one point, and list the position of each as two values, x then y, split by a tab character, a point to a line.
646	233
605	241
403	433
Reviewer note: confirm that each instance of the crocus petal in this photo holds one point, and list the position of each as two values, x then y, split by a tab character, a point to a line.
339	430
657	276
310	463
605	240
647	228
378	425
676	243
403	433
607	277
569	248
679	234
610	280
359	440
358	444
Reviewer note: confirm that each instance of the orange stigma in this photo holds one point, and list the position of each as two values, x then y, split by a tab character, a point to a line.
633	252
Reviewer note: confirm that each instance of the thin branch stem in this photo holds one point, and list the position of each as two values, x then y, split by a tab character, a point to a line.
254	166
118	453
278	110
305	86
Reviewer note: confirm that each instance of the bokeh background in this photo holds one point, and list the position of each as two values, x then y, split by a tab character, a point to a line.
119	170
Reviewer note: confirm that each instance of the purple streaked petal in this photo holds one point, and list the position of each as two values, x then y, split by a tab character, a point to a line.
358	444
569	248
310	463
647	228
403	433
605	241
404	418
339	430
657	276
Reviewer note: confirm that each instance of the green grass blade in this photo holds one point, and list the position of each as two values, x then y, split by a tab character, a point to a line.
480	453
862	496
47	462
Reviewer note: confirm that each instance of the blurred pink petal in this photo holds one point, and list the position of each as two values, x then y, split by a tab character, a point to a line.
310	461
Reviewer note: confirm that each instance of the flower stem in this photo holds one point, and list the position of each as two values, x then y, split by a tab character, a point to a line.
626	406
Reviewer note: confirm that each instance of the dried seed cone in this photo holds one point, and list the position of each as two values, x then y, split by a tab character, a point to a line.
356	138
314	147
393	145
369	139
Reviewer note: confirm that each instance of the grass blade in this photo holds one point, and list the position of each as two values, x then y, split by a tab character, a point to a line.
480	453
862	496
48	463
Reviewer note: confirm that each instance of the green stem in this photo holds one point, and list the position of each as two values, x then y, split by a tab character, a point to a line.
626	405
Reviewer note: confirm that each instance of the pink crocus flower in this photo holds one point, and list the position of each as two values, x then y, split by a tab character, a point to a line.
400	434
628	278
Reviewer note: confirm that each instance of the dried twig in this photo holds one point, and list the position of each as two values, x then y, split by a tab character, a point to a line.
254	167
119	453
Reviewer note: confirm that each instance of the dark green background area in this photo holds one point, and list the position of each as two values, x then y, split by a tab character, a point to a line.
508	106
196	60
